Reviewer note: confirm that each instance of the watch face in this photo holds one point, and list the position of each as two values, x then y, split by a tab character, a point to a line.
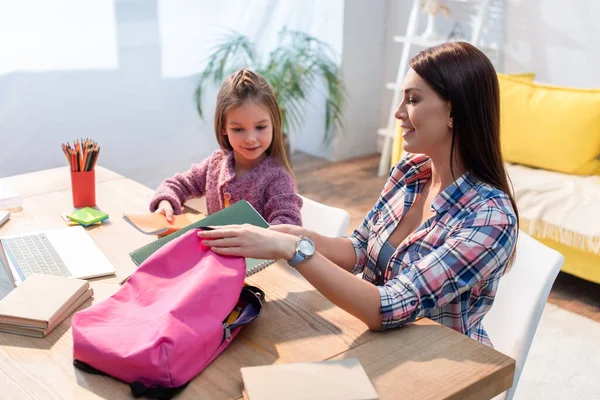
306	247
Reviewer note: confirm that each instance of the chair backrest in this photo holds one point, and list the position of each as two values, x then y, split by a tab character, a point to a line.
522	293
326	220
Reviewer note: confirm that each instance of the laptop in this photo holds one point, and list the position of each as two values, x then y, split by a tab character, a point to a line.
68	252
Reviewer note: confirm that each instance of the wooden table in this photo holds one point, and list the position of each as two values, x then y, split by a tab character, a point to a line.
421	361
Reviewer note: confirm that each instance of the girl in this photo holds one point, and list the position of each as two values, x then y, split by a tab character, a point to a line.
443	231
251	163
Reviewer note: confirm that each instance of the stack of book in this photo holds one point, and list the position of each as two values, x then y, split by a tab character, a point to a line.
41	303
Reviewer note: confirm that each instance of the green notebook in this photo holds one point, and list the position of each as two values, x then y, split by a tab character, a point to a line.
238	213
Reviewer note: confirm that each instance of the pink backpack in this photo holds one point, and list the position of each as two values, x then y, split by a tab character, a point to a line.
169	320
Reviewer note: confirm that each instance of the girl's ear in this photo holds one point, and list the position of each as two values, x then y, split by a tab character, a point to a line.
450	122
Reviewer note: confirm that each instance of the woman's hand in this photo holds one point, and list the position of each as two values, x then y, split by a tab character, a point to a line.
289	229
250	241
165	208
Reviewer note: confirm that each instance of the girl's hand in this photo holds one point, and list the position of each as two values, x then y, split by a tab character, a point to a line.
250	241
165	208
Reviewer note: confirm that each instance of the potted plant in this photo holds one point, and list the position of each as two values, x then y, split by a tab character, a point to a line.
292	69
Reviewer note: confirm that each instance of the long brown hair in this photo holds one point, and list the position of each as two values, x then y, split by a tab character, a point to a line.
240	87
461	74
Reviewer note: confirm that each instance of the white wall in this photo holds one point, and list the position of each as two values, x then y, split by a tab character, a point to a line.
363	55
145	123
559	40
123	72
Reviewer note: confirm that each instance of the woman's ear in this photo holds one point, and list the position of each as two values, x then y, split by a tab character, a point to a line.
450	121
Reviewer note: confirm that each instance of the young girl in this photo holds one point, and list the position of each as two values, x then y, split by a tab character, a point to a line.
251	163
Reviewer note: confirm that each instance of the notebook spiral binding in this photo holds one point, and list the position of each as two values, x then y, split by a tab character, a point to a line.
259	267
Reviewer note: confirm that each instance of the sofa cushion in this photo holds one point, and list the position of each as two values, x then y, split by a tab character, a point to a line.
558	207
550	127
527	76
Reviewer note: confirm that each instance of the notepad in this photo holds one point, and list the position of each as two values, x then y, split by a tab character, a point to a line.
156	224
70	222
40	303
331	380
87	216
238	213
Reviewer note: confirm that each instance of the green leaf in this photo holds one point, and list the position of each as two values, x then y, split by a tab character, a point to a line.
299	64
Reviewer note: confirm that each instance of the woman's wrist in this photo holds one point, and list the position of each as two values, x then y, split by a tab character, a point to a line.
288	247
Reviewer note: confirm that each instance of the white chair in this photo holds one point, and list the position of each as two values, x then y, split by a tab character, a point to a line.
522	293
326	220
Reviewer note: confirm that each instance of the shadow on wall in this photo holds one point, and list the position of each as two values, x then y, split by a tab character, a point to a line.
147	126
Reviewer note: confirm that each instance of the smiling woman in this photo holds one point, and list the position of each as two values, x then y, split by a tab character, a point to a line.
442	233
424	111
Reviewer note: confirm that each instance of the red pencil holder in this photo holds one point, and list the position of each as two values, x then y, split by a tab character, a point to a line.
83	187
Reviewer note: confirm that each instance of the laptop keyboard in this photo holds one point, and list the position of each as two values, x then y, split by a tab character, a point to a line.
35	254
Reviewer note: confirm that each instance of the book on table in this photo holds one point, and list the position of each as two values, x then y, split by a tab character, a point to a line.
332	380
238	213
156	224
41	303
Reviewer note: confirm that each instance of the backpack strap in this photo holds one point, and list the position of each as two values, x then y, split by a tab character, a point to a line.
138	389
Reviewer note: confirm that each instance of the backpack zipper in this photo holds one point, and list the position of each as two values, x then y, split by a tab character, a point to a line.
227	331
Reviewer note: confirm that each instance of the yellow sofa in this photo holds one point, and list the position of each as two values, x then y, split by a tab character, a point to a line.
551	145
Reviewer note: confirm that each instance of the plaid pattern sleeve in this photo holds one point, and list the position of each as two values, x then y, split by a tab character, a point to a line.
476	252
359	240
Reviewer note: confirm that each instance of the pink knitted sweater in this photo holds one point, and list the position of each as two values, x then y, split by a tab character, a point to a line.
268	187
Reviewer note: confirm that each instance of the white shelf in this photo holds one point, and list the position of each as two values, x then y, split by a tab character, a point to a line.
420	41
423	42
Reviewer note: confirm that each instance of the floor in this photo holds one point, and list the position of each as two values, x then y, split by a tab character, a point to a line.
354	186
564	358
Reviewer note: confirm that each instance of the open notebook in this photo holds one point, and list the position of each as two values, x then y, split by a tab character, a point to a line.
238	213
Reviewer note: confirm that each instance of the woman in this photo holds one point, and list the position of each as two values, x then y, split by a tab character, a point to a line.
443	231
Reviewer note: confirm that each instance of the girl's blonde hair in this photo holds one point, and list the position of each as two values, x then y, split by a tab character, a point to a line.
240	87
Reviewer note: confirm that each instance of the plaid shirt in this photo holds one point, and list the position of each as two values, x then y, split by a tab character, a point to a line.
448	269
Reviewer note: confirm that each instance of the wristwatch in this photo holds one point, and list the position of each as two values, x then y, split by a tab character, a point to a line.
305	248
